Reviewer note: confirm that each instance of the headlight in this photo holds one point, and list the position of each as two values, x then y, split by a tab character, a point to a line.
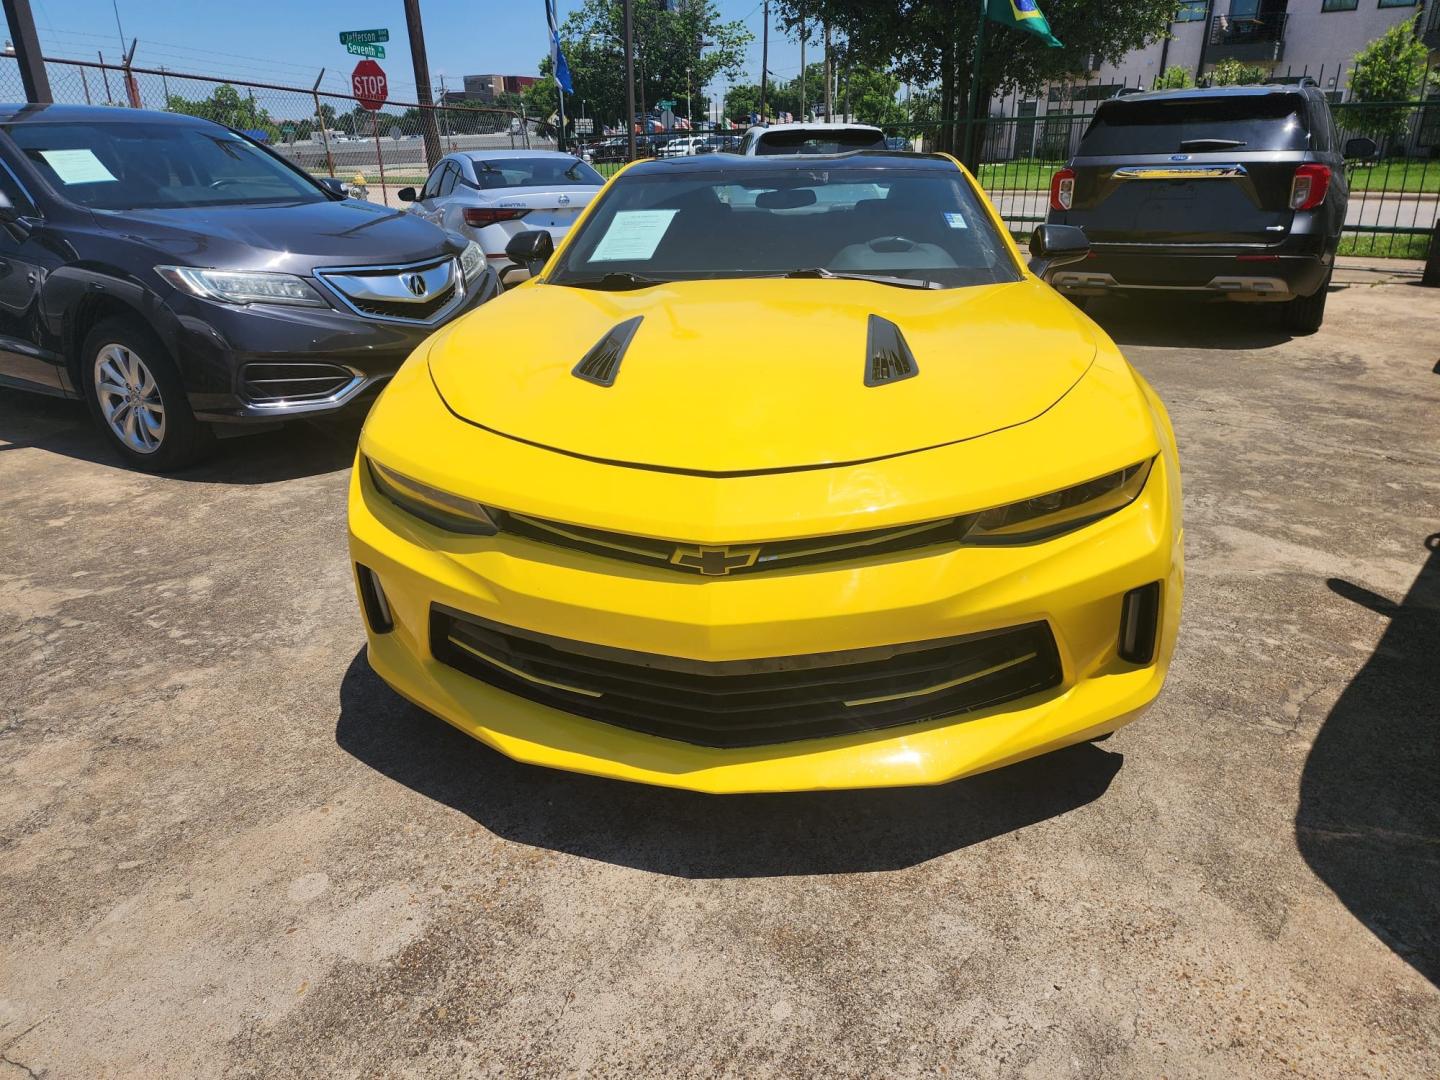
1060	511
431	505
472	263
242	286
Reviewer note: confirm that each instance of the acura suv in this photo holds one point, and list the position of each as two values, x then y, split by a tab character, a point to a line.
1235	193
179	276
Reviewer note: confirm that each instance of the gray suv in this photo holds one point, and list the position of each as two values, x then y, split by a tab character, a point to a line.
1234	192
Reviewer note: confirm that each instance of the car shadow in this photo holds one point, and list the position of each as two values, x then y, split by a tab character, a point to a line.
684	834
295	449
1369	817
1189	324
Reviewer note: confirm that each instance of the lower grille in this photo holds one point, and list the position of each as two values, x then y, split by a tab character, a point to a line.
272	383
736	703
397	309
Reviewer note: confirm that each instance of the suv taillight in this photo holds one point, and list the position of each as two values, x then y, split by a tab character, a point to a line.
1308	189
480	216
1062	189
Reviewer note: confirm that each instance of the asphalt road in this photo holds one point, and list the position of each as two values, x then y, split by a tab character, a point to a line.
227	850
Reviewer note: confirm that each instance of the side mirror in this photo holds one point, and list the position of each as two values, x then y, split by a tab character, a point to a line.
530	249
1361	149
1056	245
406	194
333	184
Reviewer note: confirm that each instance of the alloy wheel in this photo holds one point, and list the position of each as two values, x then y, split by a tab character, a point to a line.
129	399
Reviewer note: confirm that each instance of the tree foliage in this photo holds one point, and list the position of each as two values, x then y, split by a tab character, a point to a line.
1388	69
1235	73
920	40
1174	77
227	106
676	51
863	93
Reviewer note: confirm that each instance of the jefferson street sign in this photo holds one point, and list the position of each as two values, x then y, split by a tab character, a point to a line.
363	37
375	52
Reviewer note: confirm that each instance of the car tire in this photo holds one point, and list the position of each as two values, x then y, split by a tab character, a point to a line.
138	401
1304	314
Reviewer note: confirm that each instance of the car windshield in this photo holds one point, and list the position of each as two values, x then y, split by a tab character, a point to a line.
145	166
1251	121
812	142
926	225
559	171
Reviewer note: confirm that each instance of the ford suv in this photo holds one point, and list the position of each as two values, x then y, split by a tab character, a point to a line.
1233	192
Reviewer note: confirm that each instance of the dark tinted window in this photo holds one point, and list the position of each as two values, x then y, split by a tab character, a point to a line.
447	179
810	142
136	166
920	224
558	171
1257	122
432	185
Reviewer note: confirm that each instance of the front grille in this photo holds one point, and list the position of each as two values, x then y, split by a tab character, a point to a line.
721	560
736	703
397	309
299	381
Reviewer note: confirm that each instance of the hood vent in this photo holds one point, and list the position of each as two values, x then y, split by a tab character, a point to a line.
887	358
602	363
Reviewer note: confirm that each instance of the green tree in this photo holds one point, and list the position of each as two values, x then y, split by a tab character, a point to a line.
863	93
1174	77
227	106
921	41
1389	69
1234	73
677	52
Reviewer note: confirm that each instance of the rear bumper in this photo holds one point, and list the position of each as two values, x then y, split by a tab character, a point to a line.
1229	276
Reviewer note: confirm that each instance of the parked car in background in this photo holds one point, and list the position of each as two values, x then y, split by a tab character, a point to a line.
176	275
1236	193
812	139
490	195
682	146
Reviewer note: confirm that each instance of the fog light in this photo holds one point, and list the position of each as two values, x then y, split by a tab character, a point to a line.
372	599
1139	618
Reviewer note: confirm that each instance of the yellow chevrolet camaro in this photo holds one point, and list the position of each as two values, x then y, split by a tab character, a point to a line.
781	473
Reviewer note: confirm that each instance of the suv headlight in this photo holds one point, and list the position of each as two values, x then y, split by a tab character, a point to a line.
472	264
1060	511
431	505
242	286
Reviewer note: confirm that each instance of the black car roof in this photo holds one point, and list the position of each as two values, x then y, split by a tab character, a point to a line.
1205	93
88	114
778	163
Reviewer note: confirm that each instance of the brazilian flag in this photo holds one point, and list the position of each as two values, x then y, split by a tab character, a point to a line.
1022	15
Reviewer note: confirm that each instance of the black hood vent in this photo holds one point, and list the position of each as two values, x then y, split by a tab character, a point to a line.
602	363
887	358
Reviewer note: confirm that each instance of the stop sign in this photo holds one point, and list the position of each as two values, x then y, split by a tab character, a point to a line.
369	85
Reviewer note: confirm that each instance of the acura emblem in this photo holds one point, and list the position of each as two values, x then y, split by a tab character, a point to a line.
415	283
715	561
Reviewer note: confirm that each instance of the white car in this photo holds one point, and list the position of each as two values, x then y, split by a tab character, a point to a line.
490	195
681	146
811	139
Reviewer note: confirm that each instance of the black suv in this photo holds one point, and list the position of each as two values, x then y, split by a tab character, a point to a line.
1234	192
176	274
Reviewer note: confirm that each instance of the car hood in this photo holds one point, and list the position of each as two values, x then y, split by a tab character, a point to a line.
290	239
744	376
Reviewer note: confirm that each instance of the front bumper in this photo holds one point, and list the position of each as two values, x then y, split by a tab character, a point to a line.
1073	583
214	343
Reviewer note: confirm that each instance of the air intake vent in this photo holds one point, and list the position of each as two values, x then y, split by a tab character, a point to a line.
602	363
887	358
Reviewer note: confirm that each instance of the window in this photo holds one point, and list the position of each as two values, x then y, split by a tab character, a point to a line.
432	185
15	193
559	170
1137	126
1397	3
1339	5
1192	11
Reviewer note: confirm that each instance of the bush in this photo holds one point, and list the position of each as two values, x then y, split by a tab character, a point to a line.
1388	69
1234	73
1174	77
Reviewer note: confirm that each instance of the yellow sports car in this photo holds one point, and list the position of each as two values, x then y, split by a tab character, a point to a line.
781	473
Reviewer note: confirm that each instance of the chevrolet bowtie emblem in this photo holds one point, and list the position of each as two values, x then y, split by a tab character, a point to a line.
715	561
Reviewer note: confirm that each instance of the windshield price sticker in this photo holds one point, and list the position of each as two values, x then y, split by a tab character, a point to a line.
956	221
77	166
633	235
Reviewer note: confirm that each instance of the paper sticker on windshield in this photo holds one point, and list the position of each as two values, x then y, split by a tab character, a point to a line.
77	166
956	221
633	235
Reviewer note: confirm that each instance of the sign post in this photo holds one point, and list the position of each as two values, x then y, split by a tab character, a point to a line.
371	89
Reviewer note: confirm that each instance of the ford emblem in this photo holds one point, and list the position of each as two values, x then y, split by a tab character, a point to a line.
1179	157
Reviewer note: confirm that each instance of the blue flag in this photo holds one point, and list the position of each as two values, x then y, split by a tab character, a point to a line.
558	66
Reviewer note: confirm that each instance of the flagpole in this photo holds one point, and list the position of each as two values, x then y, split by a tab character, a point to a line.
973	110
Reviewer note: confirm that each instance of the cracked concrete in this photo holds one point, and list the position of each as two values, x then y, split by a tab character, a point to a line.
227	850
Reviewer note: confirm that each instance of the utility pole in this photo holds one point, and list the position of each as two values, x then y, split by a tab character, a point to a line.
829	73
422	83
764	60
27	51
629	31
802	65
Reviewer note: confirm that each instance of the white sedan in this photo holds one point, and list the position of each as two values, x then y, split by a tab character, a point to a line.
490	195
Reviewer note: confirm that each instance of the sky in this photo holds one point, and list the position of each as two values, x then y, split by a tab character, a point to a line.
289	41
